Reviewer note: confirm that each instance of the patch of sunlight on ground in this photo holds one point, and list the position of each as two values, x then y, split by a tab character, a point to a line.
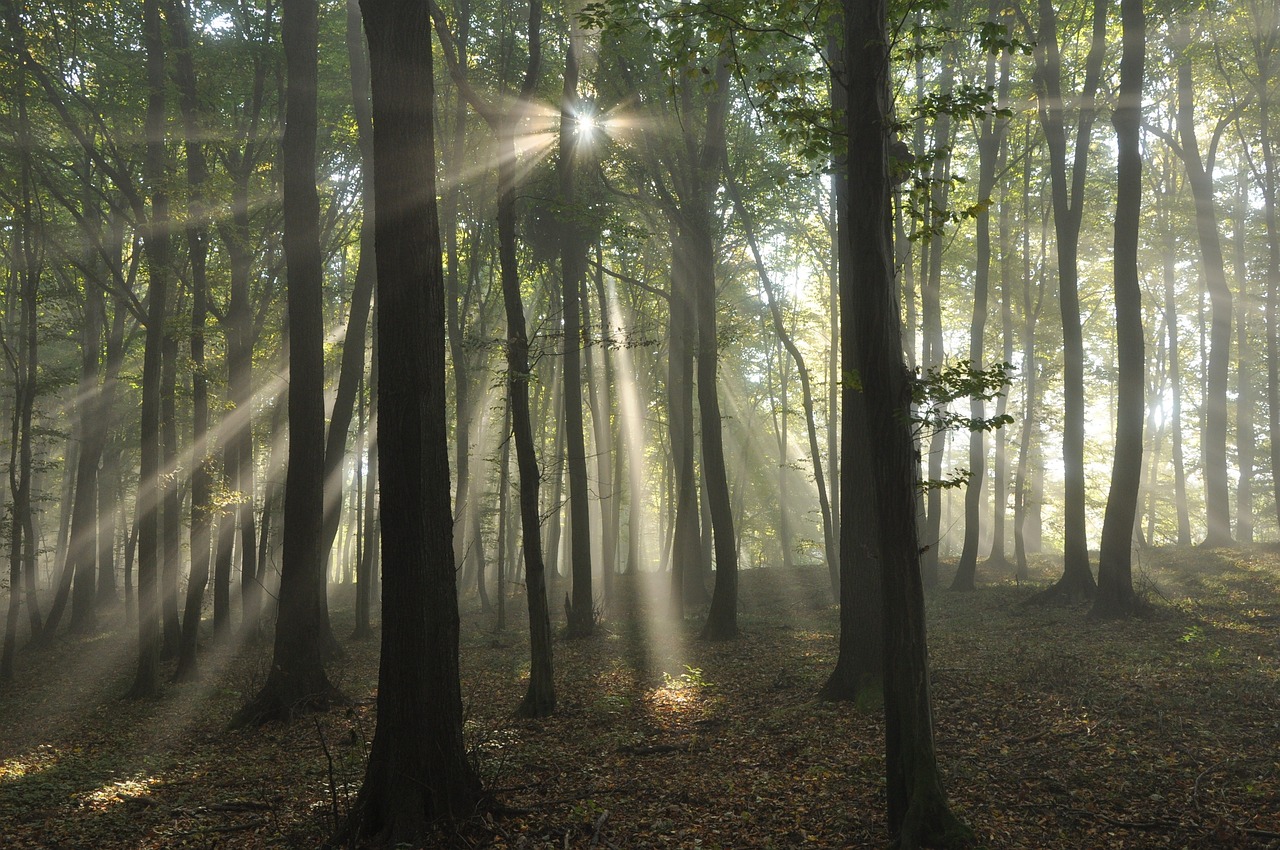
678	695
30	764
119	791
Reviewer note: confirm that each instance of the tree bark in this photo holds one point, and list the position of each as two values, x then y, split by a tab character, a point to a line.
1077	578
297	681
197	234
1115	595
1200	178
157	247
989	142
573	264
418	769
917	808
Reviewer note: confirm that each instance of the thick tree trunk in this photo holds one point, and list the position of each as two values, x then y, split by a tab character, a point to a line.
418	768
859	672
84	548
917	808
680	331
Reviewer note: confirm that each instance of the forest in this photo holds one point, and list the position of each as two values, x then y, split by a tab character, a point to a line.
640	423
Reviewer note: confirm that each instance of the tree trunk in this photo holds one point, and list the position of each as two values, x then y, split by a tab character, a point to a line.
1272	306
859	672
999	559
680	331
418	769
351	365
932	350
367	567
157	247
1245	365
573	256
989	143
1115	595
806	388
1077	578
1200	177
917	808
197	249
297	681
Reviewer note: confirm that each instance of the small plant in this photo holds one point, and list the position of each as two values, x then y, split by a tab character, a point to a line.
691	678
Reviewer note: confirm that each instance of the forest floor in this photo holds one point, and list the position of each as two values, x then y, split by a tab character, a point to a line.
1053	731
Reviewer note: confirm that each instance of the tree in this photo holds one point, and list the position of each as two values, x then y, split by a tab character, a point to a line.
1115	595
989	144
573	266
1068	202
157	244
418	769
297	681
1200	178
539	699
917	808
197	233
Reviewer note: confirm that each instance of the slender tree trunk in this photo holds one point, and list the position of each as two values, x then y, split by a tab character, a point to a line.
1200	178
989	144
1115	595
1068	199
573	256
999	559
1170	256
366	568
932	351
1245	440
351	365
539	699
297	681
22	361
197	234
605	429
170	496
156	243
1272	305
806	388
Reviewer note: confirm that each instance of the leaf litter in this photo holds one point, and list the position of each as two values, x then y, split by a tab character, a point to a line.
1053	730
